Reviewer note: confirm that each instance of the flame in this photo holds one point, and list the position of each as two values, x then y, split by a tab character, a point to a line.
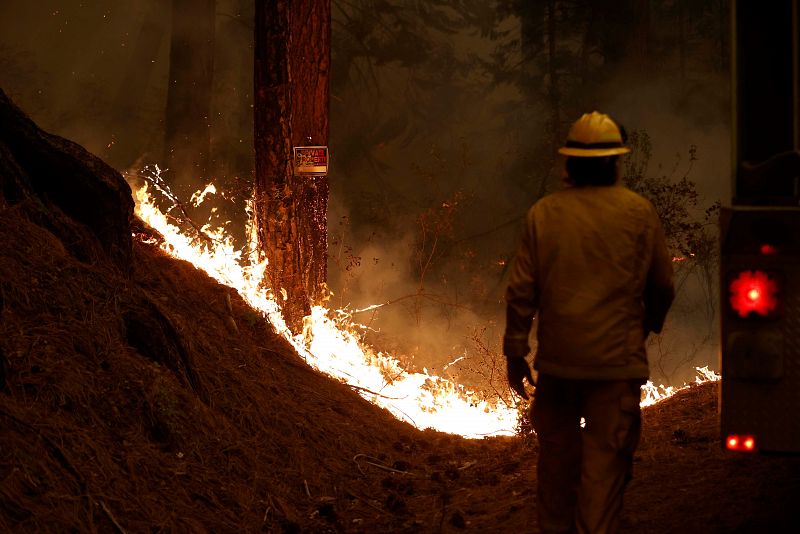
199	196
332	346
425	400
654	394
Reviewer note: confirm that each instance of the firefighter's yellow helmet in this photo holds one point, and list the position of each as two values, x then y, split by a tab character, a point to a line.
594	134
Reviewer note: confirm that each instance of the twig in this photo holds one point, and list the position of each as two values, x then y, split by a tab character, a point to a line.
359	388
420	294
112	518
408	417
161	186
366	501
305	484
62	459
379	466
54	448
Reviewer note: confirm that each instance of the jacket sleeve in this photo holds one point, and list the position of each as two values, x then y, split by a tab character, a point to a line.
521	295
659	290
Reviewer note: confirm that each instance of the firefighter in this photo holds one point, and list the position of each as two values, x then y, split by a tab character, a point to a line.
594	270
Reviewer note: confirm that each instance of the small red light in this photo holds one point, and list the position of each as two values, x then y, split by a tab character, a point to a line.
753	291
768	249
741	443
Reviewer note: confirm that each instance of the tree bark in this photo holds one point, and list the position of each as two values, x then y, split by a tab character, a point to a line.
187	137
292	72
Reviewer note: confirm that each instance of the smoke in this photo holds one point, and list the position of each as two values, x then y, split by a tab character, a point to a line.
72	58
690	135
676	124
427	314
460	312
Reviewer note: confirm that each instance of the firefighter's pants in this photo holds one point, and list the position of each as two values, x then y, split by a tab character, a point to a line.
582	472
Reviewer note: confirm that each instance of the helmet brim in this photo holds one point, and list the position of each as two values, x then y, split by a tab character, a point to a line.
593	152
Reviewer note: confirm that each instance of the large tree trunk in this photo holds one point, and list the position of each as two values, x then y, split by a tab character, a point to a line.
292	64
191	68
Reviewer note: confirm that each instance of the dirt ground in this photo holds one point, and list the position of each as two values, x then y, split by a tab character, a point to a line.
139	395
104	430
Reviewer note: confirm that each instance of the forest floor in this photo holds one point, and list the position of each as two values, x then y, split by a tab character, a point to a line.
99	435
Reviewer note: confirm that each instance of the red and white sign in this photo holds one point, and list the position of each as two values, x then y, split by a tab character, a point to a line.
310	160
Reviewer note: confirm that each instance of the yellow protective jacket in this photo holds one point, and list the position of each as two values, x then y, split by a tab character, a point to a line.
594	269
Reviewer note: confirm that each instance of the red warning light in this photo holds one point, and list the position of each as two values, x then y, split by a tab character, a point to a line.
740	443
767	249
753	292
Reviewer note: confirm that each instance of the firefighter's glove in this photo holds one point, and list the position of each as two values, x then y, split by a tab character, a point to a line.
518	369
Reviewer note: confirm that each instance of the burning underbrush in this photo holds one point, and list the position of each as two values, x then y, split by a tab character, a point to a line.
138	394
329	340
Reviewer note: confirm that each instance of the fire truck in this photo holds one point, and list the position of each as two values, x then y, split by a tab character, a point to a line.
760	234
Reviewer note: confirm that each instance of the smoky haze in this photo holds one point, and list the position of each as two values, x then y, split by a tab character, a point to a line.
444	116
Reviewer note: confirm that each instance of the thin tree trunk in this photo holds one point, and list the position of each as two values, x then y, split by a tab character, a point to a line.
682	43
187	137
723	29
641	36
554	96
533	23
292	72
586	43
232	102
126	113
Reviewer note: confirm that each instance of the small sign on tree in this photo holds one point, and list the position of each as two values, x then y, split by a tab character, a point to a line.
310	160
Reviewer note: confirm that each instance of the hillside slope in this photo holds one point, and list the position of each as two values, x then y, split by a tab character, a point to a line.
139	395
